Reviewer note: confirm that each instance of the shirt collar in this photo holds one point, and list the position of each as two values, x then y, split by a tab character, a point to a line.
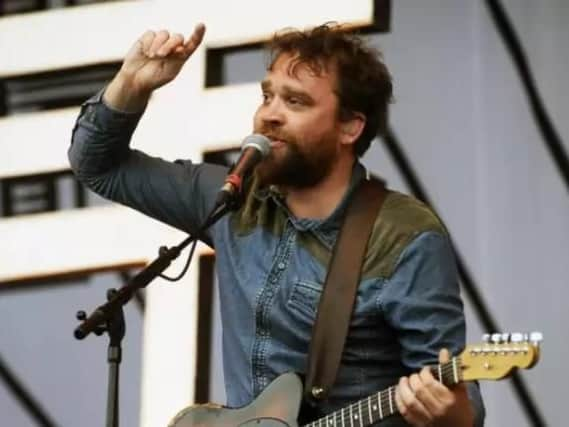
325	230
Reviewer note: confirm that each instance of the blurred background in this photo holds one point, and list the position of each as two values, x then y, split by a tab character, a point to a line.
478	129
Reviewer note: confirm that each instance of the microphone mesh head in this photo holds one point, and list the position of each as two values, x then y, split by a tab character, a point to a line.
259	142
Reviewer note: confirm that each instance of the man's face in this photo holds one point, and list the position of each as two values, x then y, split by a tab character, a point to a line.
299	115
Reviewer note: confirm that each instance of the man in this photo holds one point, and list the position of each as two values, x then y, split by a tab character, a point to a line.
324	98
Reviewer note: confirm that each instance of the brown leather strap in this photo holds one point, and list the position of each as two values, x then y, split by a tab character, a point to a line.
336	303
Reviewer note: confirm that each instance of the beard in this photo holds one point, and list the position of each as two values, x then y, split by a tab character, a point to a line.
297	166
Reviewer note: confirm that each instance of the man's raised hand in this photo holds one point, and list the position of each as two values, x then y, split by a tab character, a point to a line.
155	59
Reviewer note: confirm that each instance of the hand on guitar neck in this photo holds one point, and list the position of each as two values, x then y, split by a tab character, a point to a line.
424	401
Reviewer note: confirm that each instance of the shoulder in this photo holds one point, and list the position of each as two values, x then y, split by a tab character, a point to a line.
401	219
405	214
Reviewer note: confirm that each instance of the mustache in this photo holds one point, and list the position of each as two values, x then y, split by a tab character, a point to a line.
276	135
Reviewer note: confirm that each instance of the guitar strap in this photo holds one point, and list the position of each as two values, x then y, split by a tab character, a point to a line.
337	300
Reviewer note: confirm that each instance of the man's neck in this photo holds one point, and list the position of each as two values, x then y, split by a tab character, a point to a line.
319	201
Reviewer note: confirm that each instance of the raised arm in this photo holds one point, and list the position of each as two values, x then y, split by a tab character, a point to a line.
178	193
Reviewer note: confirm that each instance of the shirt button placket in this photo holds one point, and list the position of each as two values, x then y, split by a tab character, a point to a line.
262	335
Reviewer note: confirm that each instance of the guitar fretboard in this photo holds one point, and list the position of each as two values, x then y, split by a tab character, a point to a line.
382	404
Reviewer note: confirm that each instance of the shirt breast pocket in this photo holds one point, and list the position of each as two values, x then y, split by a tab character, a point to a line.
304	299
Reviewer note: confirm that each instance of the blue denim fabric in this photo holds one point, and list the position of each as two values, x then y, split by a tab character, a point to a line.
270	282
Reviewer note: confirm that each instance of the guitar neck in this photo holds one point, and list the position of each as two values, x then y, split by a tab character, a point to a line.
381	405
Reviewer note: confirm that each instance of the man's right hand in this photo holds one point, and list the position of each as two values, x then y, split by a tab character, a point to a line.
154	60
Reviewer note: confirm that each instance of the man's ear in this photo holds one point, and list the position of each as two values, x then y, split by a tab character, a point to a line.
352	128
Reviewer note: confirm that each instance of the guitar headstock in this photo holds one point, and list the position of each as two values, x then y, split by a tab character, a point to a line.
499	355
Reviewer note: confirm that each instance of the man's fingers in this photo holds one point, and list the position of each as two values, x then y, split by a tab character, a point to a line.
434	395
159	39
143	43
444	356
162	43
421	399
436	388
195	39
174	41
422	390
409	405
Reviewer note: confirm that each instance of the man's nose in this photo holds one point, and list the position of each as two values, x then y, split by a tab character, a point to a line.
273	112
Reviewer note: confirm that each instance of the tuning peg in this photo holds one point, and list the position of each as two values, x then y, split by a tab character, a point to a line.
505	338
486	338
536	338
496	338
517	337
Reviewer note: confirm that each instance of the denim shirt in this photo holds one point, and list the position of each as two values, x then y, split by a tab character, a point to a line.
271	267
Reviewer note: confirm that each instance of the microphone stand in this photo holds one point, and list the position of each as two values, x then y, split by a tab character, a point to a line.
109	317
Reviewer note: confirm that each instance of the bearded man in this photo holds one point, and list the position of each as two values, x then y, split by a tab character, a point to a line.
323	100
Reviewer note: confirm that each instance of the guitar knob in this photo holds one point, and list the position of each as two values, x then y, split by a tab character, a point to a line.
517	337
505	338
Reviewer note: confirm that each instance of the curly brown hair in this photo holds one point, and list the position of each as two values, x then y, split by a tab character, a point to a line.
364	82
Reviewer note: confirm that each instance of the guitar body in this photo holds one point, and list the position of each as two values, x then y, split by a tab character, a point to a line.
277	406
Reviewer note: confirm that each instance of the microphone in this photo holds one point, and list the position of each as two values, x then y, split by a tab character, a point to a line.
253	149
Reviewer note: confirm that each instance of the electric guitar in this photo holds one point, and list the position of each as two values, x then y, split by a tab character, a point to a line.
279	404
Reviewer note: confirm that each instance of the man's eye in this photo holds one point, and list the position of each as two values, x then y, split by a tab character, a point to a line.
295	101
265	97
